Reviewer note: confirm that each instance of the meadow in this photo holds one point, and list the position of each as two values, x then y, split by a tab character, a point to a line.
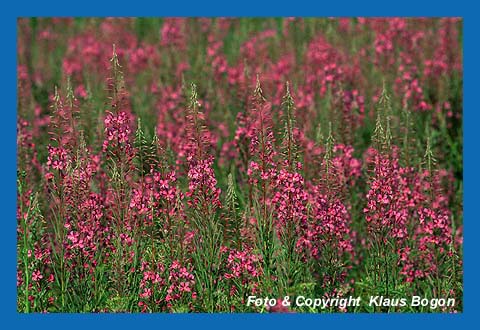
189	164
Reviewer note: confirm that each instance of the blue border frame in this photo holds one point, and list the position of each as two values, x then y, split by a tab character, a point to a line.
250	8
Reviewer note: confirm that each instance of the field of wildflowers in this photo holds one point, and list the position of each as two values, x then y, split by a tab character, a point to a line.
185	164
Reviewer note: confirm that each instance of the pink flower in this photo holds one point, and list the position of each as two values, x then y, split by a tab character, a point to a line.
36	275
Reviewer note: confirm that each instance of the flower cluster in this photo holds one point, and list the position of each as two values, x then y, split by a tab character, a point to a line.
117	132
290	201
386	213
165	286
58	158
181	284
202	187
329	227
242	263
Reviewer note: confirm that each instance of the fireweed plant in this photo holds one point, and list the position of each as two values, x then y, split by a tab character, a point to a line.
183	165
